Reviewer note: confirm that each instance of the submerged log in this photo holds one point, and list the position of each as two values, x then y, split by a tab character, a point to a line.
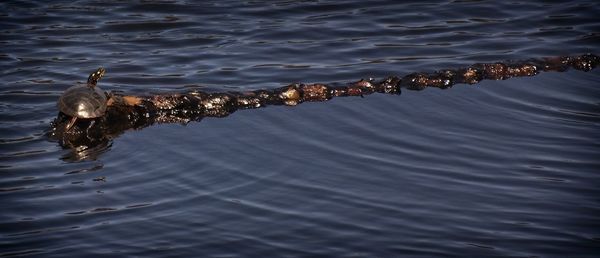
125	112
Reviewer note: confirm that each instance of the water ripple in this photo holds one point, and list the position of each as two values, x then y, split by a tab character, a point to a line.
504	168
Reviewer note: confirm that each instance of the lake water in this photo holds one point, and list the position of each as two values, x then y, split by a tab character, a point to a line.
500	169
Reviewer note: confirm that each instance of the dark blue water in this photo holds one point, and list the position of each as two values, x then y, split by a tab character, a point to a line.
502	169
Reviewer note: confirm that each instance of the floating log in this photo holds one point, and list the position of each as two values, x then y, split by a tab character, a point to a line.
125	112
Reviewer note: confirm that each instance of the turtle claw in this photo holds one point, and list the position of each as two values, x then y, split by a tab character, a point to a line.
71	123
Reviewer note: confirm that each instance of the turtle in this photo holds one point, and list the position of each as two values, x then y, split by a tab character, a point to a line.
85	101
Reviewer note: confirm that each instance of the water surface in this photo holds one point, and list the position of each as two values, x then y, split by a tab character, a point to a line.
501	169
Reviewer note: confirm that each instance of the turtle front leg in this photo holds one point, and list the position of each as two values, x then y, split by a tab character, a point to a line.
71	123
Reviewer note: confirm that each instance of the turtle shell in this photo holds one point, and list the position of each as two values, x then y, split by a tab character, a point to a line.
83	101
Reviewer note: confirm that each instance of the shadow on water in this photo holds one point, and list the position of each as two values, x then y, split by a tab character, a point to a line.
90	138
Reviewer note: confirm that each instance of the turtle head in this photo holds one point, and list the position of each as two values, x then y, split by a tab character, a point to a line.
95	76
